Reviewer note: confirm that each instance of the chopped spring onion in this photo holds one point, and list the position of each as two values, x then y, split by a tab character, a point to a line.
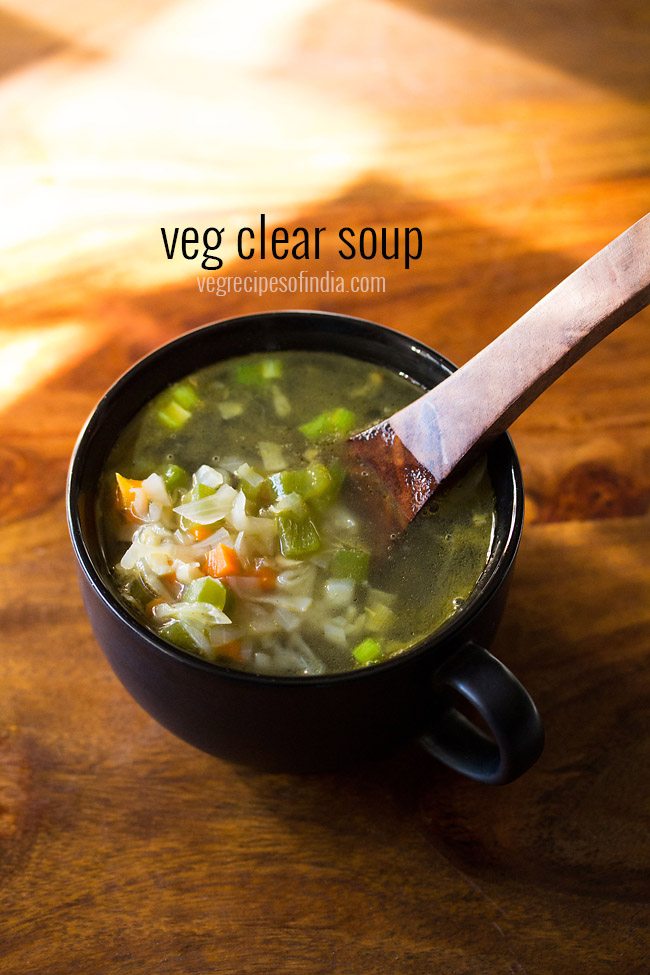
173	416
331	425
258	373
185	395
177	405
368	651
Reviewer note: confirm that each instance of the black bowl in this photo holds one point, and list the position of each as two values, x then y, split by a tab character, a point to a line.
312	723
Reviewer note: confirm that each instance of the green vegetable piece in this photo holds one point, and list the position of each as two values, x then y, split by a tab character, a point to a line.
330	425
258	373
310	482
185	395
318	482
206	590
173	415
137	589
255	486
351	563
175	632
368	651
200	491
298	536
175	477
260	495
323	495
283	483
271	369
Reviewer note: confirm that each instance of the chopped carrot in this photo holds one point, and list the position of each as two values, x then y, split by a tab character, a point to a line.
222	560
200	532
231	649
126	487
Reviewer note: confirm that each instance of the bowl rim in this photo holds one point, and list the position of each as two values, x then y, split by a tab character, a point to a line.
495	575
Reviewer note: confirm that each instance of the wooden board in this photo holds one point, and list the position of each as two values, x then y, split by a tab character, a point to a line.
518	142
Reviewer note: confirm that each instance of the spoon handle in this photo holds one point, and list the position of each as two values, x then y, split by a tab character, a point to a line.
482	399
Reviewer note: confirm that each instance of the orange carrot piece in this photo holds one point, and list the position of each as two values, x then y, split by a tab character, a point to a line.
222	560
231	649
126	487
200	532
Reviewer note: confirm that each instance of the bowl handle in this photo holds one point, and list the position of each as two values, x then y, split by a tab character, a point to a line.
506	707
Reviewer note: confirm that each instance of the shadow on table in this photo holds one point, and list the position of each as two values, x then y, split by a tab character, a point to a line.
572	824
604	44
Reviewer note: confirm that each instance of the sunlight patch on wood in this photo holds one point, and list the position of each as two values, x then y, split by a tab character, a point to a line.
36	354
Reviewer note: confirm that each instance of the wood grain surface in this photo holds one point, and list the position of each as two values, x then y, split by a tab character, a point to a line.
516	137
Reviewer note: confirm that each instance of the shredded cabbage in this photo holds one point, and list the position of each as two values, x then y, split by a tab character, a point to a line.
275	605
210	509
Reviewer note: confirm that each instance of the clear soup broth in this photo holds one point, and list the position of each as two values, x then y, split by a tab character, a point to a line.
227	531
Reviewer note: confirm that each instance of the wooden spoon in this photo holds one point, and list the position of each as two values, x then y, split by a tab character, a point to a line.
413	451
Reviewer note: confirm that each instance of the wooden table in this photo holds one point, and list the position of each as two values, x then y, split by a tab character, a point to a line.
516	137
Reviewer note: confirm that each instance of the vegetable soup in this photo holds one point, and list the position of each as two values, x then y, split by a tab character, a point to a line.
227	528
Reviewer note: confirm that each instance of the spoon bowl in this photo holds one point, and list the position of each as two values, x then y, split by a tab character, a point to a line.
403	459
